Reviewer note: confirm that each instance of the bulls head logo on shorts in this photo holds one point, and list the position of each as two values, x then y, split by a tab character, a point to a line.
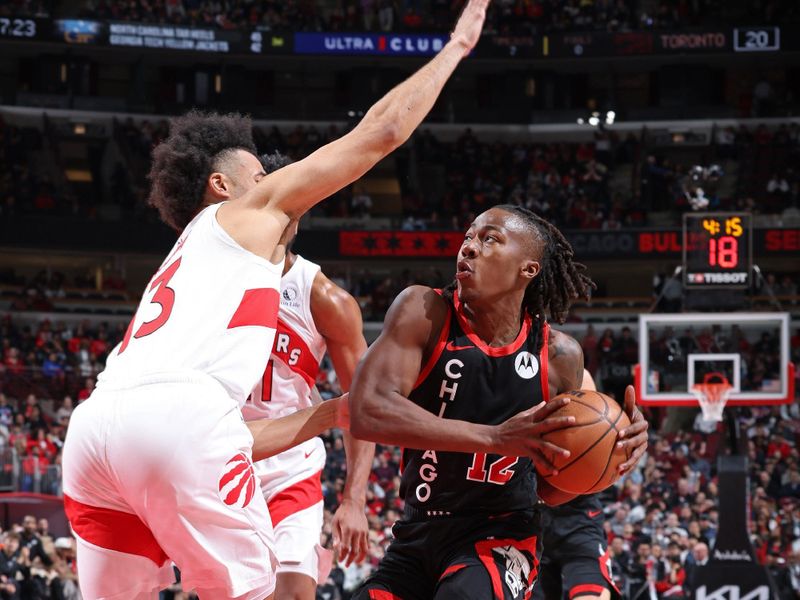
518	569
238	482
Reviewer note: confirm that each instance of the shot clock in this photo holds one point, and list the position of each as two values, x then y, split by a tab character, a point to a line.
717	250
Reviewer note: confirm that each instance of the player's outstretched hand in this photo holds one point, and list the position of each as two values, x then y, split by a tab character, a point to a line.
470	24
633	437
350	532
522	435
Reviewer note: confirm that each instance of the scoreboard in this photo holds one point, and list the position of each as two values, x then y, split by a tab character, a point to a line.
717	250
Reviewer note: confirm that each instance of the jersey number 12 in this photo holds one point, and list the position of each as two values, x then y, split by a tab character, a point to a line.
500	471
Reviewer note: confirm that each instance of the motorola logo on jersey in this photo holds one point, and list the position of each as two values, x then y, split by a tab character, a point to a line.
526	365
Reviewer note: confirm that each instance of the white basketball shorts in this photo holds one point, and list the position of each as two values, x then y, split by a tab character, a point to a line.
161	470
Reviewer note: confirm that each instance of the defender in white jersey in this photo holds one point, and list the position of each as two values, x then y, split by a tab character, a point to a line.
158	461
315	315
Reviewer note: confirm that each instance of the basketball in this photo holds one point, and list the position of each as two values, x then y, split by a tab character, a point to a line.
594	460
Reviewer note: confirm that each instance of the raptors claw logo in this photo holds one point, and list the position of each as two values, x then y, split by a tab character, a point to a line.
237	484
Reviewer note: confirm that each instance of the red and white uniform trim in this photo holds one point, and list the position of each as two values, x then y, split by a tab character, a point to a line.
175	328
290	481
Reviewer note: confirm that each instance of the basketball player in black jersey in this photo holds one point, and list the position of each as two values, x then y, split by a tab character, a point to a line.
461	378
575	563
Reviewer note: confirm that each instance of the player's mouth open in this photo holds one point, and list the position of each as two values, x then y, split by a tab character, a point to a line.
464	270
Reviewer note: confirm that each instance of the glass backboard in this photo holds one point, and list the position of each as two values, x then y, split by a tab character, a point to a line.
678	351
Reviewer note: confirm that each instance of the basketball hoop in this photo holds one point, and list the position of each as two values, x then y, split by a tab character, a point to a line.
712	395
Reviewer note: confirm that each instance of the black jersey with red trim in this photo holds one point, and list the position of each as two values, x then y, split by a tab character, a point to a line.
467	380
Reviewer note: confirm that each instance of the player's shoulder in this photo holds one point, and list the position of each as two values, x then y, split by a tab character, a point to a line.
561	344
323	288
417	308
565	356
331	303
419	301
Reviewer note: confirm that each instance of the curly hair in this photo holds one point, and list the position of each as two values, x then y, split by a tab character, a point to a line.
273	162
561	280
197	144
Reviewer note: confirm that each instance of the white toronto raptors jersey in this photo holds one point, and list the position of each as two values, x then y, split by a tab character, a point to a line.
296	354
286	385
211	307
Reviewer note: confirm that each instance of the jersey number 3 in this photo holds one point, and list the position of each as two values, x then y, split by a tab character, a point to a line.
500	471
164	296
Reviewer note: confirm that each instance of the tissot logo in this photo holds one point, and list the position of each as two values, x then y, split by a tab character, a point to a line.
526	365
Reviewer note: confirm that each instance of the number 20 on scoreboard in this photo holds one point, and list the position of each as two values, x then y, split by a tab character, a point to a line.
716	250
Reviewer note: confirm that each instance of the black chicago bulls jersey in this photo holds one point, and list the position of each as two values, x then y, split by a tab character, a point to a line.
467	380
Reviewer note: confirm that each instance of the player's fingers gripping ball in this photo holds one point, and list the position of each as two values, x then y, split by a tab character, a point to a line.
594	459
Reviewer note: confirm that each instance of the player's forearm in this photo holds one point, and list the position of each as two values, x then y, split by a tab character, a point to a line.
360	455
405	106
273	436
394	419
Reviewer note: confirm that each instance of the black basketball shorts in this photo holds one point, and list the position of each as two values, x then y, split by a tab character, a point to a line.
466	558
575	561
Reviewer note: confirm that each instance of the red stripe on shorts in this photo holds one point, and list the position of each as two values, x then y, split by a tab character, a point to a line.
451	569
258	308
113	530
296	497
587	588
382	595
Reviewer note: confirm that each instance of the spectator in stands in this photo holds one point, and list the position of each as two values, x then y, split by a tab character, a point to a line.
64	412
786	287
10	569
66	567
35	420
86	390
697	558
30	540
6	415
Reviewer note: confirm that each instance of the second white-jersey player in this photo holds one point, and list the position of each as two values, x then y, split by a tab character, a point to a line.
315	316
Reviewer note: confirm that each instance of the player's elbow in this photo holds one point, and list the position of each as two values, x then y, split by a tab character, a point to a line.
366	418
383	133
360	423
391	136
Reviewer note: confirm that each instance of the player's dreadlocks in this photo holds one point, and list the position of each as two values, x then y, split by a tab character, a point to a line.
561	280
197	145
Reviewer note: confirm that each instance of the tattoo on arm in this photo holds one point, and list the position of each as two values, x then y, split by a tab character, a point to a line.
555	350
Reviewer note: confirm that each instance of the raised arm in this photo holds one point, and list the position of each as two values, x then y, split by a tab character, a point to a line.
291	191
382	412
338	318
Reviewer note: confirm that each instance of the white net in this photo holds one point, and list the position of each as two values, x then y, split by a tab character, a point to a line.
712	396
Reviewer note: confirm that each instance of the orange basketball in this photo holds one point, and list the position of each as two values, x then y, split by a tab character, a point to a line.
594	459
